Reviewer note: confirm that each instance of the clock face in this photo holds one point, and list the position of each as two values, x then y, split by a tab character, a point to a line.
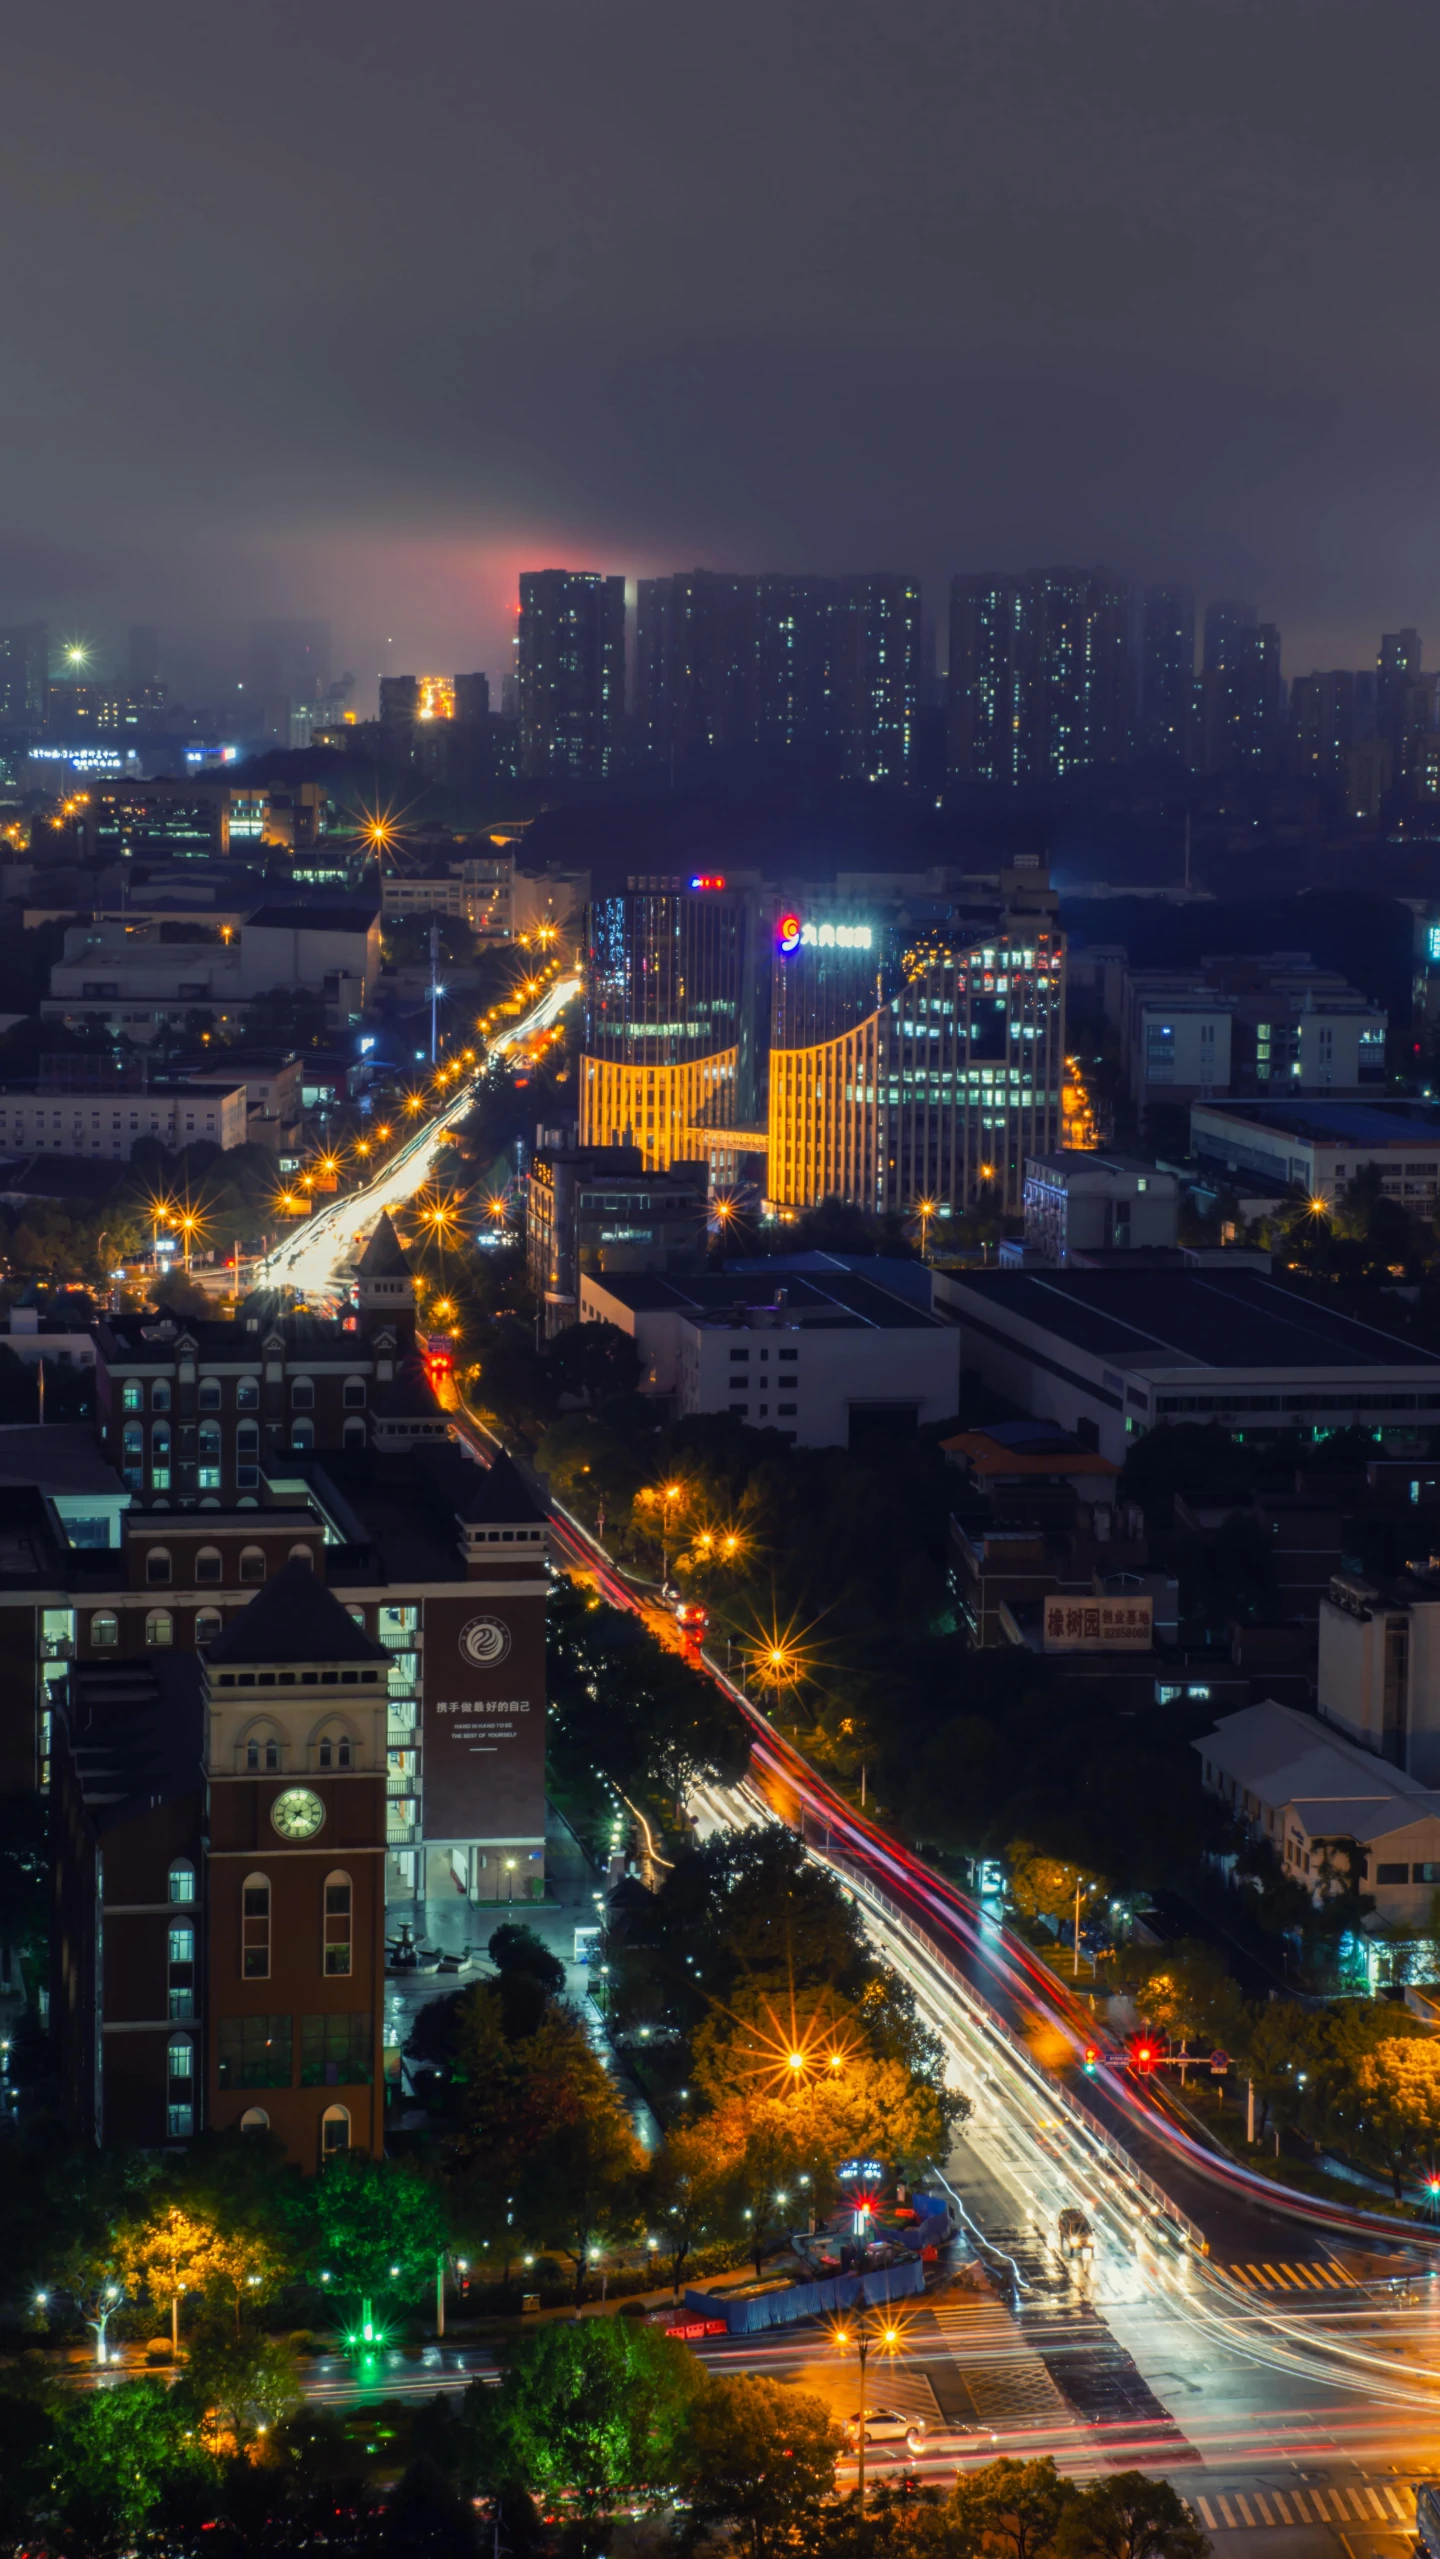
297	1814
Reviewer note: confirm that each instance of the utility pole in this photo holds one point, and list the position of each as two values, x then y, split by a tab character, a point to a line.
434	983
1075	1975
440	2295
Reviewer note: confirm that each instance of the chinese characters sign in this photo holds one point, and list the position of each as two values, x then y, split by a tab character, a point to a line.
1093	1625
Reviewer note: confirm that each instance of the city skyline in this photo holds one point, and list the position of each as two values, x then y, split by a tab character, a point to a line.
630	300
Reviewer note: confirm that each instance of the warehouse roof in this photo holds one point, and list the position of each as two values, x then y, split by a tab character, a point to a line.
1337	1123
727	1297
1182	1319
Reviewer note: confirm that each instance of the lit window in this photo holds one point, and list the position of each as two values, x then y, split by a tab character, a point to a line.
104	1631
182	1880
181	1978
159	1626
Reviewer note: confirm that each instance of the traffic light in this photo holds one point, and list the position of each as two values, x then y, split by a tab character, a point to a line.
1092	2058
1144	2059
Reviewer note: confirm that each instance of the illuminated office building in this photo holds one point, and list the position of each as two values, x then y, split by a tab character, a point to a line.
675	1023
939	1093
571	665
885	1049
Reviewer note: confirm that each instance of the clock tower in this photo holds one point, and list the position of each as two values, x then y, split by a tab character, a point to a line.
295	1715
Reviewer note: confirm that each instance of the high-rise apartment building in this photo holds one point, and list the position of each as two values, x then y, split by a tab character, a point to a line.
1167	671
1238	722
287	674
819	668
571	663
1041	681
1397	669
876	677
24	675
1323	726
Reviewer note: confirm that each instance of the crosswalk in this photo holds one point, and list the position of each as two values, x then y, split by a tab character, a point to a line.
1360	2503
1303	2274
1007	2383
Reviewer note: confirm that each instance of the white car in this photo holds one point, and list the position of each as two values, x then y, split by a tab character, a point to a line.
883	2425
954	2438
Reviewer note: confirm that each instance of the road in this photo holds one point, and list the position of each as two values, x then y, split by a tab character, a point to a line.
311	1257
1279	2359
1248	2342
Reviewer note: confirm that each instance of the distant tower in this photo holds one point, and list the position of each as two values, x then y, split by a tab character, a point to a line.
385	1286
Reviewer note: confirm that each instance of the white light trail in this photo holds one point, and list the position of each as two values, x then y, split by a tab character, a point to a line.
310	1258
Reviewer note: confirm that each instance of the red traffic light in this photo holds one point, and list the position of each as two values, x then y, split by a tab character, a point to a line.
1144	2055
1092	2056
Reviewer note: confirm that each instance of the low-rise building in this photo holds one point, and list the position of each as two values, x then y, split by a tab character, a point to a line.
1319	1146
597	1209
1379	1674
823	1361
1108	1354
1335	1815
36	1121
1078	1203
140	979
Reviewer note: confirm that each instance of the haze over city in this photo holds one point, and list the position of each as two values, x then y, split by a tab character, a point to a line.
306	322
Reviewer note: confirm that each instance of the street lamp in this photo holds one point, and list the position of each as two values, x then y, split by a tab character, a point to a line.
862	2334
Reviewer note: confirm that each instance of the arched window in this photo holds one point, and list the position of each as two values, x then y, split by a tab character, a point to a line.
262	1750
302	1394
247	1395
160	1395
132	1459
209	1476
208	1565
182	1880
159	1626
354	1433
354	1395
337	1924
335	1750
302	1555
302	1436
334	2131
254	2119
255	1928
252	1563
208	1624
157	1564
209	1397
180	2088
104	1631
181	1979
247	1453
160	1457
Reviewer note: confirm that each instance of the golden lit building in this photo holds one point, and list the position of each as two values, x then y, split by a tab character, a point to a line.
938	1095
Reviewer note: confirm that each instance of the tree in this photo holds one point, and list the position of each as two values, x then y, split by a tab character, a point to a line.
172	2253
760	2458
239	2387
1279	2049
597	2410
1013	2508
115	2456
371	2225
1397	2088
1045	1887
579	2184
1130	2516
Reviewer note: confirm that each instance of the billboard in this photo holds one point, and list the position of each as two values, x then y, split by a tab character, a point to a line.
1100	1625
484	1715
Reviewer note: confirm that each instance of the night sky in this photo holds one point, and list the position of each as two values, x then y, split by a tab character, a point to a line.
355	311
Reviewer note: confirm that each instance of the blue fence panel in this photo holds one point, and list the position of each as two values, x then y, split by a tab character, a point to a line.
780	2309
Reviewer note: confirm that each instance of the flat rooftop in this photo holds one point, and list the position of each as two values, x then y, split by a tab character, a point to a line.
1185	1319
838	1298
1336	1123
